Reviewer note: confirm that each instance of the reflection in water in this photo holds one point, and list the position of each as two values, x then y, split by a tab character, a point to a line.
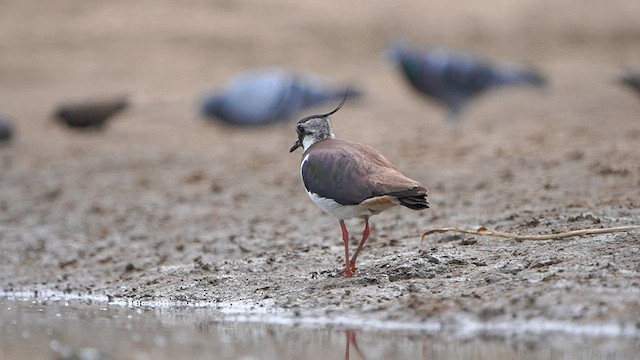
351	341
81	330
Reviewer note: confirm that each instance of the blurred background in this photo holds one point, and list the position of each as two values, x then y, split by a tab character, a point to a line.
173	50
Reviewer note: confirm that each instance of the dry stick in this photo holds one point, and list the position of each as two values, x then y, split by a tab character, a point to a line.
484	231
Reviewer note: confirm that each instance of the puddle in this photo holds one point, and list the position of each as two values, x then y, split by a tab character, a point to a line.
95	329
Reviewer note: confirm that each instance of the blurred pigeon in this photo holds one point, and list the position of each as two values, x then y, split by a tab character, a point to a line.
90	114
6	130
632	81
453	79
262	97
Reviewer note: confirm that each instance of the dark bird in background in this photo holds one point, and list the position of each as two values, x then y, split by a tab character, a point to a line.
262	97
632	80
351	180
90	114
6	130
453	79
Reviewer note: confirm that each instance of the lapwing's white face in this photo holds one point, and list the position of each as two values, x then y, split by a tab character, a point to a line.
312	130
315	128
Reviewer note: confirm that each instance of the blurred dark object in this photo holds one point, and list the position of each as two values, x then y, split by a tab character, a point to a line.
453	79
632	80
90	114
6	130
262	97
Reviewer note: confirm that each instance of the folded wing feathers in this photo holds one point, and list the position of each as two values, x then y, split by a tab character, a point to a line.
361	172
409	192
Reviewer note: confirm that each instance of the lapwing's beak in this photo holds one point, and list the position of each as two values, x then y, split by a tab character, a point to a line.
295	146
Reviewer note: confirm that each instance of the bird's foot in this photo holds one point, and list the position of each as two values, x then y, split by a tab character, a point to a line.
349	270
346	272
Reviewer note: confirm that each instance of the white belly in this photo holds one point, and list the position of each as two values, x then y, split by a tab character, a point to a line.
368	207
341	212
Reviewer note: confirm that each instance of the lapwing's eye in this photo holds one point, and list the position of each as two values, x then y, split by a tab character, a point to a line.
300	128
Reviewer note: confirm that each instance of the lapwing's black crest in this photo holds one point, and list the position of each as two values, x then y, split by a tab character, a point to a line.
351	180
316	125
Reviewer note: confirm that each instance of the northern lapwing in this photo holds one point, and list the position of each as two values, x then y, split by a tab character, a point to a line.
351	180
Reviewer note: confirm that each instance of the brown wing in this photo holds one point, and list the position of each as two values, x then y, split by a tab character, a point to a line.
350	173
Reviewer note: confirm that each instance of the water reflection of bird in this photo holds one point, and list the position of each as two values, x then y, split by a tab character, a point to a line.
6	130
351	341
268	96
453	79
90	114
632	80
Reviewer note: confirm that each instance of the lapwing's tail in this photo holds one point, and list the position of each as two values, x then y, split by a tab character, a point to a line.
418	202
414	199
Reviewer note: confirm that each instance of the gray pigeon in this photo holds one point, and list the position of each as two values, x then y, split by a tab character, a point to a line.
90	114
453	79
262	97
632	80
6	130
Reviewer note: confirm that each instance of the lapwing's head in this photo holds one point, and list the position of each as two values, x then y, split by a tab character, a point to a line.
315	128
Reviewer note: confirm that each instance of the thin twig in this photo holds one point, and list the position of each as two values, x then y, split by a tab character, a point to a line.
484	231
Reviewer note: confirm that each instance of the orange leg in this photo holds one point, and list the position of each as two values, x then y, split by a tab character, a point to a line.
365	236
347	272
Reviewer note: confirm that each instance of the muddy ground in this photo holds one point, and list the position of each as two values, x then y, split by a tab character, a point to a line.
165	206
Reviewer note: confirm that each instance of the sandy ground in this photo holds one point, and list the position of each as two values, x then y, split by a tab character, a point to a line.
164	206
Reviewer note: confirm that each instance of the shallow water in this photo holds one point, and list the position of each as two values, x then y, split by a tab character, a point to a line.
83	329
